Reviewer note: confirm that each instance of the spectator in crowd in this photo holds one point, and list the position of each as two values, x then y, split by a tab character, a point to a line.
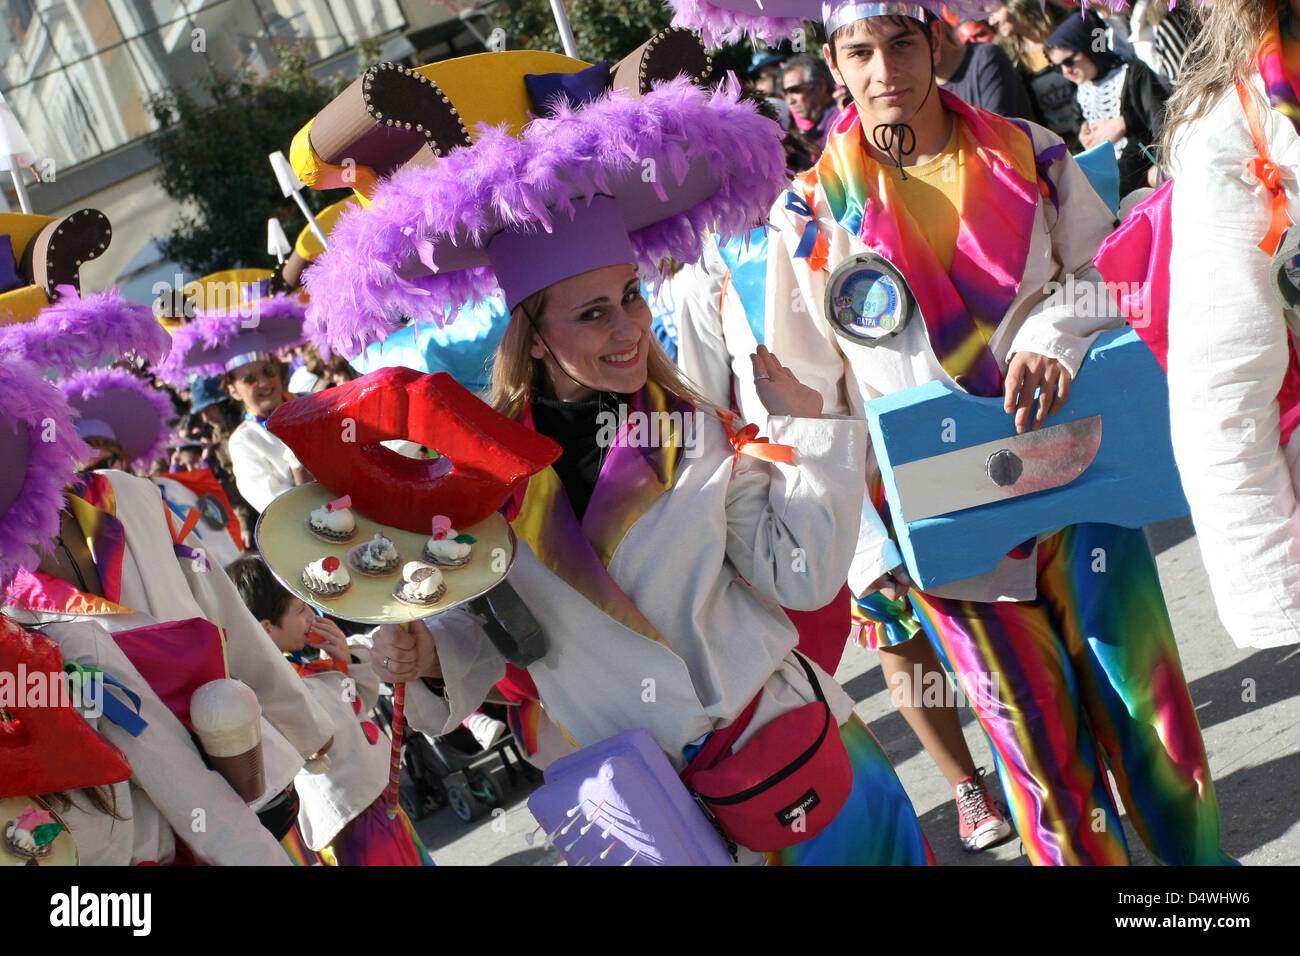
1023	28
810	93
1123	102
1161	37
765	73
981	74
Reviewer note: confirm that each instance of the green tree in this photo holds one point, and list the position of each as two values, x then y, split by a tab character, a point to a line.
603	29
213	161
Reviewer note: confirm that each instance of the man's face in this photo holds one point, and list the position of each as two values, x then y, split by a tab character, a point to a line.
887	65
806	98
768	81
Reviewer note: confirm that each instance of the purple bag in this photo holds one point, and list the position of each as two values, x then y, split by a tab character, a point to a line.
620	802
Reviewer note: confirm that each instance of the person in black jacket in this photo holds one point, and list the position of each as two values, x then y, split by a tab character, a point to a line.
1121	101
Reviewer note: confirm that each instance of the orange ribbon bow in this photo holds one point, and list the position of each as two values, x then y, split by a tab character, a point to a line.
747	442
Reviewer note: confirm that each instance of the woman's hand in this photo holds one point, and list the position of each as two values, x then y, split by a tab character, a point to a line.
1110	129
892	584
404	654
780	392
329	639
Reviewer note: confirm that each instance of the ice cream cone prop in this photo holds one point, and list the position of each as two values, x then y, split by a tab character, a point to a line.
228	721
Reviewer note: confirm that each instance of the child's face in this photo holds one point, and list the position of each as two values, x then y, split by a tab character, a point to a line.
290	632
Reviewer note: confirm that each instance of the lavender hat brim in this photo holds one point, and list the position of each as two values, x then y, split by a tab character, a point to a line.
205	346
36	427
772	21
136	413
74	333
648	153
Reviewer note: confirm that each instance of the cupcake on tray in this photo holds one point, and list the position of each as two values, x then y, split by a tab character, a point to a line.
377	557
445	547
421	585
326	578
333	521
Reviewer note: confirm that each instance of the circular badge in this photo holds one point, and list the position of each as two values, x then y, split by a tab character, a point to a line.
212	512
1286	269
867	299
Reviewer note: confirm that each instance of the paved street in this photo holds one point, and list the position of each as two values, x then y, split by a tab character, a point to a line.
1248	703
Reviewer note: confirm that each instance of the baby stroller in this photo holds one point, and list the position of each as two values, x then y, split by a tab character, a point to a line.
453	770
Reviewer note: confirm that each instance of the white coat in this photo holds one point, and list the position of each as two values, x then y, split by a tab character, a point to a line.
159	587
709	563
1227	355
1042	318
263	465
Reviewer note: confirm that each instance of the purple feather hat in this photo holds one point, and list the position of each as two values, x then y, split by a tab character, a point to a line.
73	333
41	452
772	21
615	180
218	342
116	403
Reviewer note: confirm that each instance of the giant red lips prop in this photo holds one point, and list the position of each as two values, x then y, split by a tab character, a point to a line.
336	434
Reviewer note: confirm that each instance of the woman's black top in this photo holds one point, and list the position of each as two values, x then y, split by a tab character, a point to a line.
576	427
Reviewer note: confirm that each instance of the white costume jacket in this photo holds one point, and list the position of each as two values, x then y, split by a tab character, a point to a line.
1227	355
709	564
263	465
1042	318
169	782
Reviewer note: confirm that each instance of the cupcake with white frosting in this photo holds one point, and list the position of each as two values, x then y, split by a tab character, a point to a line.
333	521
445	547
326	578
421	585
377	557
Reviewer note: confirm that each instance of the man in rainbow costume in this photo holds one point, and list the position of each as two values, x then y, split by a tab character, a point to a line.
979	213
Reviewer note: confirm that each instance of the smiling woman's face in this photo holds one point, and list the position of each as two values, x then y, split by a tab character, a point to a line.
599	327
257	385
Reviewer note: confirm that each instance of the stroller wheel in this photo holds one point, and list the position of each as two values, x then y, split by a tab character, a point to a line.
484	786
463	803
409	800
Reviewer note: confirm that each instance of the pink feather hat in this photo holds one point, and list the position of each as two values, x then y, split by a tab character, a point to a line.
771	21
219	342
116	403
41	452
74	333
617	179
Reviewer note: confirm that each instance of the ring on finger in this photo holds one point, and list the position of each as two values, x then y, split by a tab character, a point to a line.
386	660
762	378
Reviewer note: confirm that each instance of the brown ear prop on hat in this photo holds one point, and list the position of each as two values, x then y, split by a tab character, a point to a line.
665	56
385	118
56	254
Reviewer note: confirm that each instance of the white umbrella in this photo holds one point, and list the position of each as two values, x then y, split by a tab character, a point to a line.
291	185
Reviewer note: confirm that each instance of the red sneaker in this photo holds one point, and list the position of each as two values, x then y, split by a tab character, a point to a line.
980	823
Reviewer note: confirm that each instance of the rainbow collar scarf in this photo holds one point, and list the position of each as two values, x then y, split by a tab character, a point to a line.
635	473
999	195
1279	65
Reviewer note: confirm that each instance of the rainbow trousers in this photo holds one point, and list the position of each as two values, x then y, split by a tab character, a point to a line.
1082	678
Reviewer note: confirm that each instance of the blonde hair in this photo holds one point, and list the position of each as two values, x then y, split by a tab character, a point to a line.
517	376
1039	17
1224	52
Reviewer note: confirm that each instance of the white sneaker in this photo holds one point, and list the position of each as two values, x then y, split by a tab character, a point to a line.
486	730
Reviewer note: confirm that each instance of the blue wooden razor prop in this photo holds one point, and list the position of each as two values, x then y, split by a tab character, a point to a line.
964	489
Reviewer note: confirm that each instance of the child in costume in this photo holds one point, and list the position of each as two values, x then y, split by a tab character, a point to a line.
655	570
238	339
989	211
1234	378
342	805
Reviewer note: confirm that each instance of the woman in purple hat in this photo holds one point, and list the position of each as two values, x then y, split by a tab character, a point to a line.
658	550
241	346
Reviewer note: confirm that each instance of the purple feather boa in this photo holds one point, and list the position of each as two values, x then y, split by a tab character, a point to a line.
33	519
503	181
73	333
718	26
216	329
101	381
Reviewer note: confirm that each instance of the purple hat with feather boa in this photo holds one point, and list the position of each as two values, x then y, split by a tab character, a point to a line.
73	333
219	342
617	179
41	452
116	403
772	21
